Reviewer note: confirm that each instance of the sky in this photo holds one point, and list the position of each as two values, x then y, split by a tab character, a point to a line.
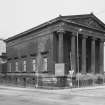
17	16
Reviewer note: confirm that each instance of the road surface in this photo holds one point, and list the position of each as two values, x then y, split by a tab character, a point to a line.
24	96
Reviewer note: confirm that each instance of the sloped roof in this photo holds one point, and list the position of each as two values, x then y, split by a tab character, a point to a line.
60	18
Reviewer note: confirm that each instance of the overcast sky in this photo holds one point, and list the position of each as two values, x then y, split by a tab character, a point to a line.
17	16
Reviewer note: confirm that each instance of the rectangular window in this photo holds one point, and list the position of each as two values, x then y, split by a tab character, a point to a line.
24	66
45	64
9	66
34	64
16	65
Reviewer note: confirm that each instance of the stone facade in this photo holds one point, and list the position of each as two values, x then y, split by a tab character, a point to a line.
60	41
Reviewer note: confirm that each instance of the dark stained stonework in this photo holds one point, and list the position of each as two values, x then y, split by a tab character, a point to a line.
56	40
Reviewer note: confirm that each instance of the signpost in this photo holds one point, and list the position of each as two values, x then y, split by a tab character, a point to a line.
71	72
60	73
59	69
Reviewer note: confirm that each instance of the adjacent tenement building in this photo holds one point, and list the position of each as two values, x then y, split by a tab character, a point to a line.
2	59
47	53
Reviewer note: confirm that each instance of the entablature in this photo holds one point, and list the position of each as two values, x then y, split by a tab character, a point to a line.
62	25
84	31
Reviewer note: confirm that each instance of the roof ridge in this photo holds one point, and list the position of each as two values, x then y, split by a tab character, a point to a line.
73	16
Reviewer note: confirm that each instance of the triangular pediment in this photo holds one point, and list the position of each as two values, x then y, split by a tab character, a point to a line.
89	20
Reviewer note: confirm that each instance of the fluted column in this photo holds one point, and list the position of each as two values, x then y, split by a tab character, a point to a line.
84	54
101	56
60	46
73	53
93	55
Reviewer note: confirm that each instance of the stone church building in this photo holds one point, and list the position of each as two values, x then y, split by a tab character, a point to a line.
45	55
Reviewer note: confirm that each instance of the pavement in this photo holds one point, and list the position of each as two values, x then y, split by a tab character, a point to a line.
33	96
55	91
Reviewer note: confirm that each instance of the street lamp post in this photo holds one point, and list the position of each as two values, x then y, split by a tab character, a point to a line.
78	53
37	74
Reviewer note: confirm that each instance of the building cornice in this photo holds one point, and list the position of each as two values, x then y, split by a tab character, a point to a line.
58	19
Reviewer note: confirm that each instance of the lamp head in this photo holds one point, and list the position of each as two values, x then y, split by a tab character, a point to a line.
80	30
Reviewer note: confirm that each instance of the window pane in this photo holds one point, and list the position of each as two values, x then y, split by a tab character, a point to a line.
34	64
24	62
16	64
34	61
24	65
45	64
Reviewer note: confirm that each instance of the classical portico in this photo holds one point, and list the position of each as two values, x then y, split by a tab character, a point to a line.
90	54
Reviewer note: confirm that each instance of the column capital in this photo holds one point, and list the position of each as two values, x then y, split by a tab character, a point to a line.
84	36
74	33
94	38
73	36
102	40
60	30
